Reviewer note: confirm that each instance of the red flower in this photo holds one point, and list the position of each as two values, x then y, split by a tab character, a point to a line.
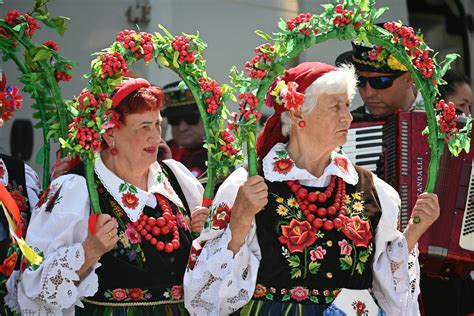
222	216
19	199
130	200
135	294
9	264
298	235
292	98
176	292
359	307
283	166
357	230
119	294
260	291
341	163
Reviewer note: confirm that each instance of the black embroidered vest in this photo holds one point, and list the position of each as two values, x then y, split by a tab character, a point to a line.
316	269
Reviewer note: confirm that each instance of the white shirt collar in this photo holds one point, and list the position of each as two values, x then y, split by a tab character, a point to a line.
278	167
3	173
131	198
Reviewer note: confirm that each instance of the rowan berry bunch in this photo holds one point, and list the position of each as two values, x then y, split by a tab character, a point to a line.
113	64
257	67
139	44
182	45
14	17
447	118
212	93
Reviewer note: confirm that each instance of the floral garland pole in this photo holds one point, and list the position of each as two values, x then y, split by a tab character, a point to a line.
350	19
92	110
42	69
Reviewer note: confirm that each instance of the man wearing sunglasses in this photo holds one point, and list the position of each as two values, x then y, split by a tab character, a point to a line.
187	130
385	85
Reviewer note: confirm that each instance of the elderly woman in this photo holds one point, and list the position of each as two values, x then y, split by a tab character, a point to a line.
134	262
314	234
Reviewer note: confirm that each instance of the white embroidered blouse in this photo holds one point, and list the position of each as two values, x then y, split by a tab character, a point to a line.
54	288
220	283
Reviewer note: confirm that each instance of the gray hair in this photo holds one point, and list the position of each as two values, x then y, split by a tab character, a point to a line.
343	79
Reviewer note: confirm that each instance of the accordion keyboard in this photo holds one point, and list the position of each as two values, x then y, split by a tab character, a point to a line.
466	240
364	146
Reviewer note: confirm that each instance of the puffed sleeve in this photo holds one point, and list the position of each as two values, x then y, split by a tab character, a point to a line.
57	231
396	270
32	186
192	188
216	282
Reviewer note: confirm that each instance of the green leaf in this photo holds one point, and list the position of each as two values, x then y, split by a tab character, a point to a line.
167	33
263	35
122	187
182	85
60	24
379	13
446	64
295	273
346	262
175	59
363	258
163	60
294	261
132	189
282	25
314	299
314	267
40	156
360	268
42	54
286	297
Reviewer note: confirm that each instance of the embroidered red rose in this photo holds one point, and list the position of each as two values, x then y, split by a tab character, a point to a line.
135	294
221	217
299	293
9	264
193	255
357	230
298	235
292	98
359	307
176	292
341	163
283	166
260	291
119	294
130	200
19	199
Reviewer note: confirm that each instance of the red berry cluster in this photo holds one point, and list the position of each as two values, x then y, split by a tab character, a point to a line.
252	67
181	44
291	24
228	139
248	105
52	44
447	119
112	64
63	75
6	34
140	44
14	18
420	58
212	93
111	119
87	137
90	98
423	62
343	16
232	124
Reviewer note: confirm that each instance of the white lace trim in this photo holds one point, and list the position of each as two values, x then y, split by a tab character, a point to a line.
11	299
59	278
350	175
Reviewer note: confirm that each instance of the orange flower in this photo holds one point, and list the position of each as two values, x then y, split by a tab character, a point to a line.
260	291
9	264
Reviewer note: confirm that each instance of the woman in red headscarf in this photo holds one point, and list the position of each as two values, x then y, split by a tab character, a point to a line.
312	234
134	260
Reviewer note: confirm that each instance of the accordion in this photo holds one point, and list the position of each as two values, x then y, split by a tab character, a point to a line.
397	152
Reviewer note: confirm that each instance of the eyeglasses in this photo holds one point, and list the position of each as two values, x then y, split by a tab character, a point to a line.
379	83
189	119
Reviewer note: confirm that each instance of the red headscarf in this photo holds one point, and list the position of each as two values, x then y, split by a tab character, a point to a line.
304	75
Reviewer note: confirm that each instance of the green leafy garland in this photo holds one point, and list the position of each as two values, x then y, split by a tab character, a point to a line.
92	110
348	19
41	70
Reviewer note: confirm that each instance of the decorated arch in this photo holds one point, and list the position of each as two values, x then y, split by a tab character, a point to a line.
91	112
355	20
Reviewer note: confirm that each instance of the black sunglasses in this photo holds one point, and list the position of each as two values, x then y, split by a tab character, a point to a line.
189	119
379	83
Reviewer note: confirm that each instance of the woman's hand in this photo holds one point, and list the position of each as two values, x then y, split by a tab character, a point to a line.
424	214
101	242
251	198
198	218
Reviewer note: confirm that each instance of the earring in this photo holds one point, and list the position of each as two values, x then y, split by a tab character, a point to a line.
113	150
302	123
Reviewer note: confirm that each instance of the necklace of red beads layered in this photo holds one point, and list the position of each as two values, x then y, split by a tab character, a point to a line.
327	218
150	227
